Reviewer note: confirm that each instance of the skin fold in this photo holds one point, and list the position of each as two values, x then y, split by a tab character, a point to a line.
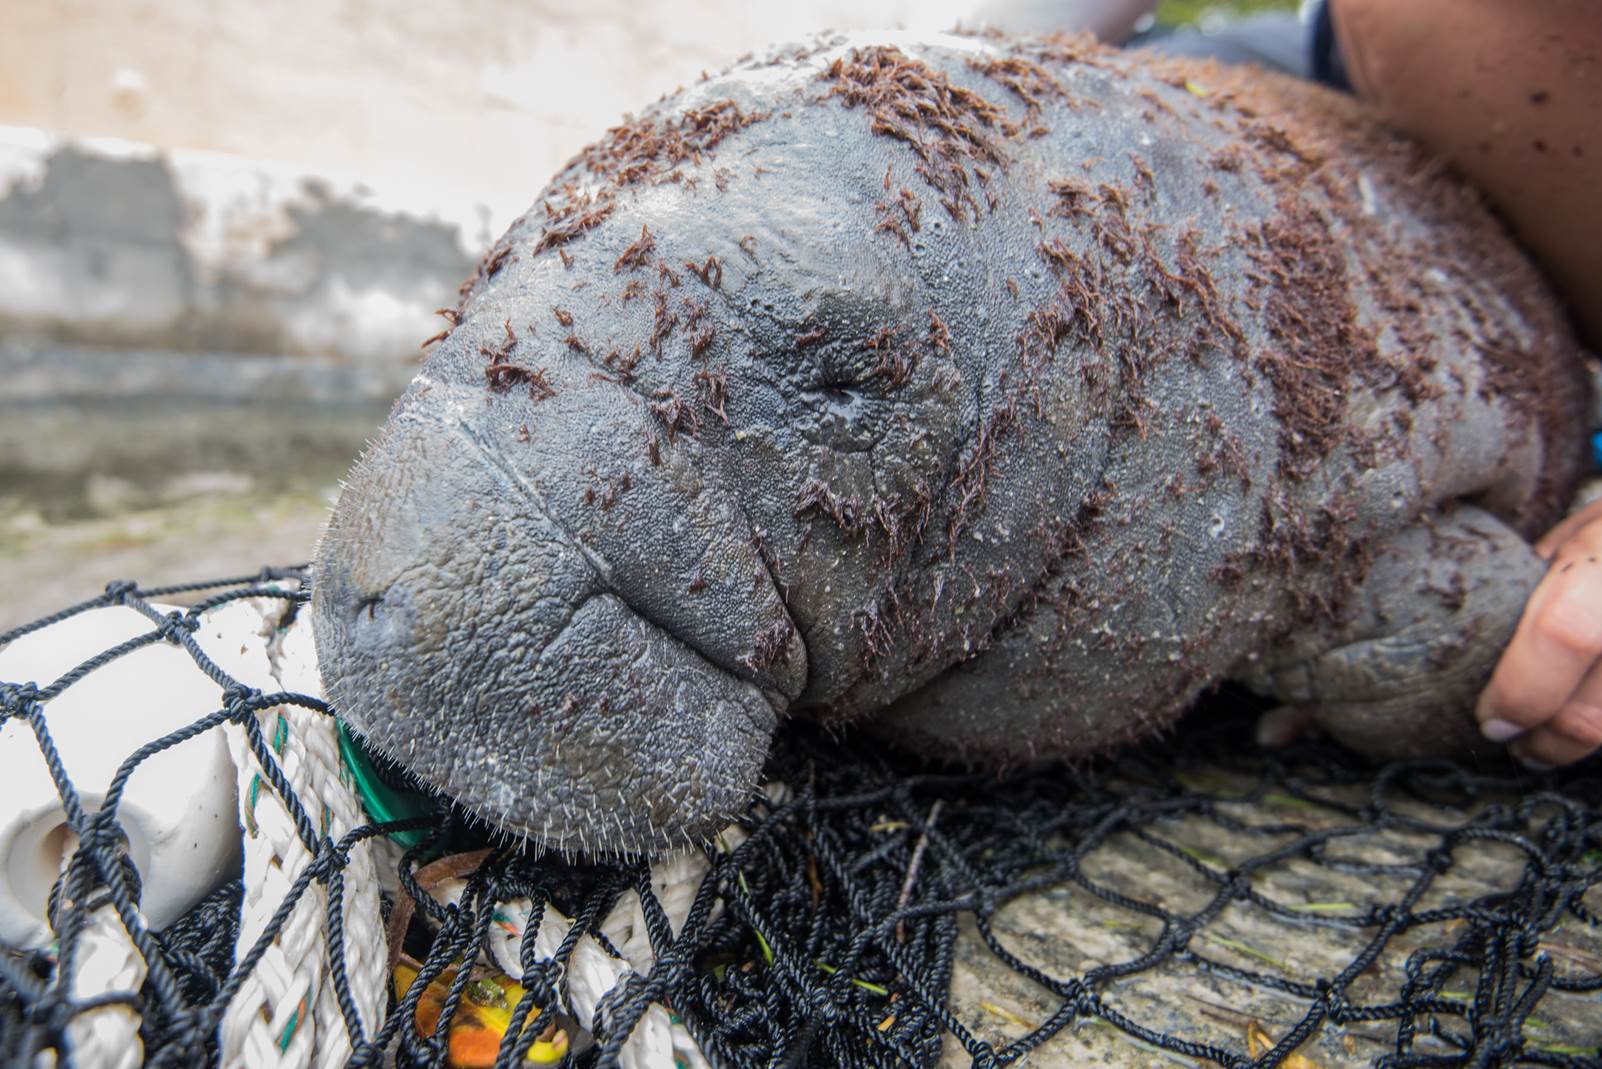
999	394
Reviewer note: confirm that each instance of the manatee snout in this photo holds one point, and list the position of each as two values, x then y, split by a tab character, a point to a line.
510	652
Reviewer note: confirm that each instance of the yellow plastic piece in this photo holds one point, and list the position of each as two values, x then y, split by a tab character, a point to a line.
482	1018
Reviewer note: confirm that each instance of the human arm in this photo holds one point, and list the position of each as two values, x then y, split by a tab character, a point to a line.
1511	94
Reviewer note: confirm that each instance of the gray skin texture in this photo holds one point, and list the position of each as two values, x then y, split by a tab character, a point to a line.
1001	395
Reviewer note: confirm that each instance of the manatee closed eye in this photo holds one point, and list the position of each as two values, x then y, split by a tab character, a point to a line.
999	394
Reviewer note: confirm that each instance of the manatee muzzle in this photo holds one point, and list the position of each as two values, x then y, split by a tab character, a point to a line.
538	659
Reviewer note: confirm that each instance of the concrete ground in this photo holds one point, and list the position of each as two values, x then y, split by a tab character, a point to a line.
48	566
162	489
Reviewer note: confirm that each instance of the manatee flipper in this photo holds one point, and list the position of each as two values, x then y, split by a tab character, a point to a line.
1399	675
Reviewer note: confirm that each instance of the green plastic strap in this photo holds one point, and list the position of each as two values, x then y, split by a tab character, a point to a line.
382	802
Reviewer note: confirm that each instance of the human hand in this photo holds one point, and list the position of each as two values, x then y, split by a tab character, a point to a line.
1545	697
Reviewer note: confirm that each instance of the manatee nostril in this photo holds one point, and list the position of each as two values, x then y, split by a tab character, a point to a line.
368	606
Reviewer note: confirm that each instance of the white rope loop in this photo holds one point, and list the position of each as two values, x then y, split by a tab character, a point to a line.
106	961
287	1014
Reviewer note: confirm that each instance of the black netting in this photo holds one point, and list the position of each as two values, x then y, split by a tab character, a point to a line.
852	904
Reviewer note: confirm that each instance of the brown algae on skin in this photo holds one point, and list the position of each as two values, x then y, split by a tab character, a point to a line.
948	128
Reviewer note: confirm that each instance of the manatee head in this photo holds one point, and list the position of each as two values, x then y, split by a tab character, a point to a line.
711	441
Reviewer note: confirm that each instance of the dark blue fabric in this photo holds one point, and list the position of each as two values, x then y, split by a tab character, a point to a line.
1324	50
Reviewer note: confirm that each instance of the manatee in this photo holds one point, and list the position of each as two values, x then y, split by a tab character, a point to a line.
997	395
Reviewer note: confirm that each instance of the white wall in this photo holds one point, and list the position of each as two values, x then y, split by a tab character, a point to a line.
477	99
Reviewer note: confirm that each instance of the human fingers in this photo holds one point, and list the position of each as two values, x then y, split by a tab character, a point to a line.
1558	640
1549	542
1574	733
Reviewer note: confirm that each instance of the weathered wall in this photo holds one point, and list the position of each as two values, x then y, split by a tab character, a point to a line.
314	178
113	244
476	99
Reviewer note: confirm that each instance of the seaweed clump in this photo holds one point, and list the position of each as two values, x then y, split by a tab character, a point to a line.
645	149
949	128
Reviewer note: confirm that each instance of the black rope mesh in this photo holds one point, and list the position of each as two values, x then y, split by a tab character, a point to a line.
833	933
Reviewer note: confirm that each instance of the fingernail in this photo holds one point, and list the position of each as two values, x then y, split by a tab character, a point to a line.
1498	730
1533	765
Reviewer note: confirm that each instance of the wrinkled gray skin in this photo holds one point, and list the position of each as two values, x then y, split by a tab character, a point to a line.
584	618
